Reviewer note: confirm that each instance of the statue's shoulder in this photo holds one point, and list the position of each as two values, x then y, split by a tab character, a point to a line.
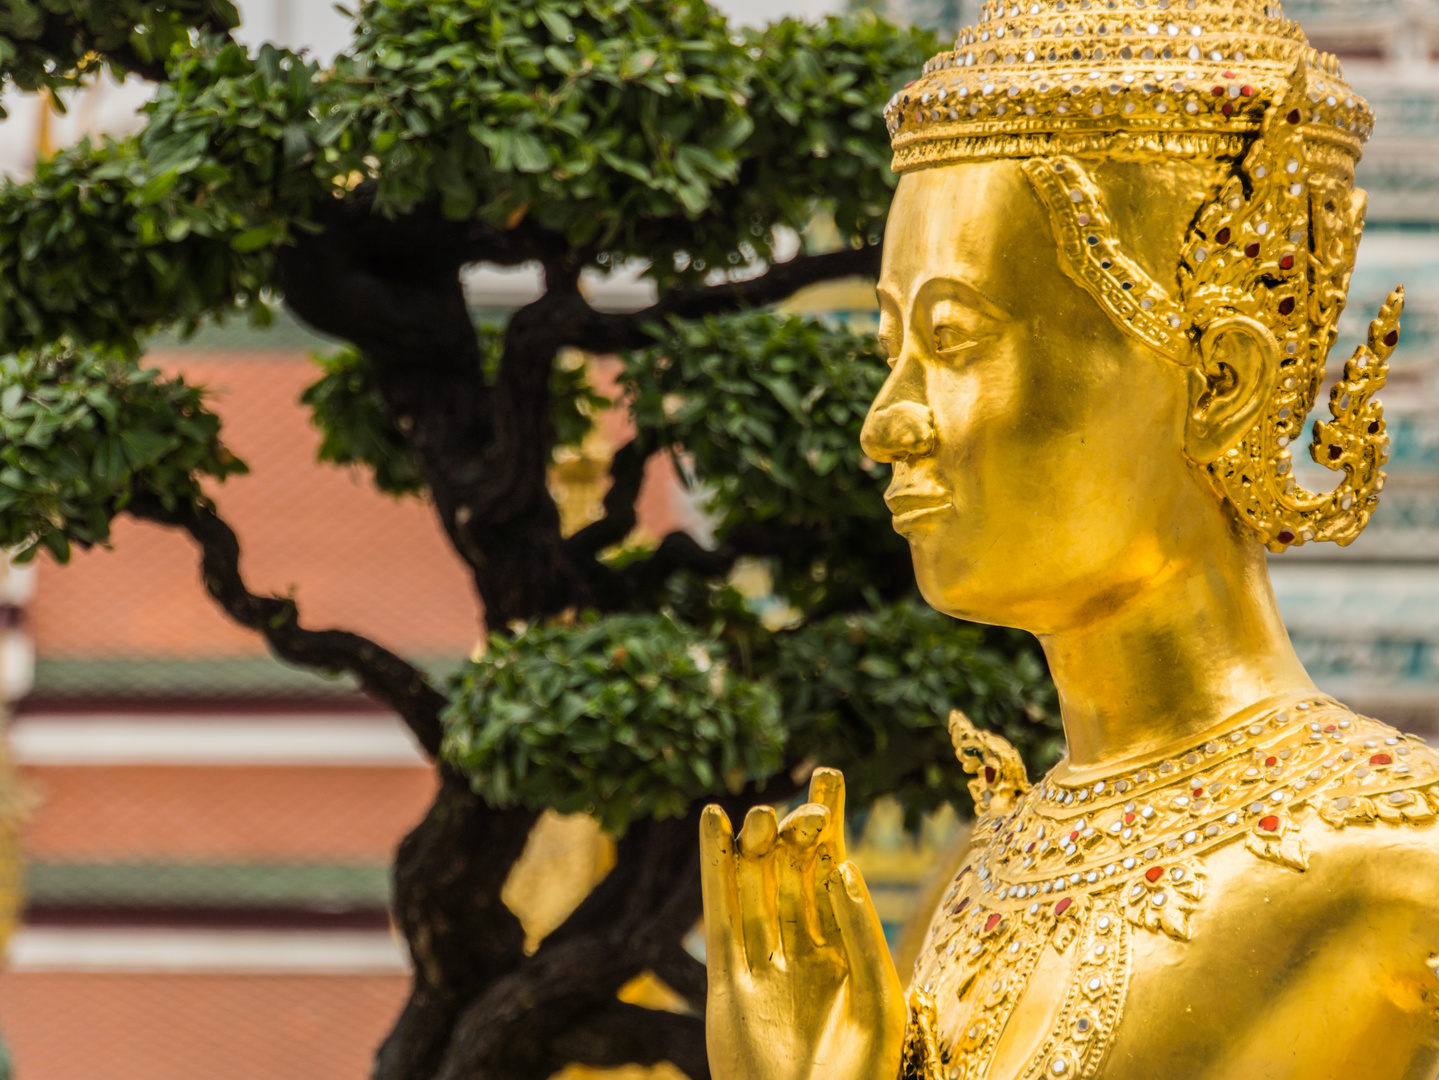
1376	811
1373	774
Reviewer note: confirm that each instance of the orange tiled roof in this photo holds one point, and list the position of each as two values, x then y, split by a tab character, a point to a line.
354	558
68	1025
215	813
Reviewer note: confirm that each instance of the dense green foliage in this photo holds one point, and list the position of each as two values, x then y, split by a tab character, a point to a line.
870	693
639	715
768	411
82	432
354	427
628	716
47	44
604	120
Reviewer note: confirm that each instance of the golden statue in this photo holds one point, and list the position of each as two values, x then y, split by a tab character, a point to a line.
1117	254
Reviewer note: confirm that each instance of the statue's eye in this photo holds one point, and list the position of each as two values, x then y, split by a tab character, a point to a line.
951	339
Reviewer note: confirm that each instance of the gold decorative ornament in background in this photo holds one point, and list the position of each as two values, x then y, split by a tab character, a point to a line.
1113	271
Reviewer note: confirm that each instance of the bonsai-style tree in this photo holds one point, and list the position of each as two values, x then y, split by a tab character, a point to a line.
631	682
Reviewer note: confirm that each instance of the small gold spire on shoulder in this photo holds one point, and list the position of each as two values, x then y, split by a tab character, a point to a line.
921	1059
1000	776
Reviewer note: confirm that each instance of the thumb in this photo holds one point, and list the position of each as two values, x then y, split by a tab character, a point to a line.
874	982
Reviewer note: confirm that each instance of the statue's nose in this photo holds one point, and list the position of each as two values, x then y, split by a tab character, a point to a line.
898	430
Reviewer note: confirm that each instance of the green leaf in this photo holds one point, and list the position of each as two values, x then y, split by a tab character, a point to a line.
529	153
556	22
157	187
256	238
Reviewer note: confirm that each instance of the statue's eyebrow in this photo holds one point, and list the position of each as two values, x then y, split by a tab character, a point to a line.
953	288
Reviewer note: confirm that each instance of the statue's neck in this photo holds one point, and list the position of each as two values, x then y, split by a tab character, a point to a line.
1173	664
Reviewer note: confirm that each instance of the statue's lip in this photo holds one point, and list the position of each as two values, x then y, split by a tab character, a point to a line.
903	498
908	508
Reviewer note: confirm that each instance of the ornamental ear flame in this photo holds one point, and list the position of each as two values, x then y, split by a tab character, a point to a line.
1277	245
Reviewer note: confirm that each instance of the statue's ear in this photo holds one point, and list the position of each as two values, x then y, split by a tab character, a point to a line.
1229	386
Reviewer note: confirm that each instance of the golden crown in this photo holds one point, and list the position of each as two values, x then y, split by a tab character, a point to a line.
1062	84
1101	75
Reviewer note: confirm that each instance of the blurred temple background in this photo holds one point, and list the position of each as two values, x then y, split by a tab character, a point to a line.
207	831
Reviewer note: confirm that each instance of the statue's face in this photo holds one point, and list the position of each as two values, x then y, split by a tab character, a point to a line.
1039	472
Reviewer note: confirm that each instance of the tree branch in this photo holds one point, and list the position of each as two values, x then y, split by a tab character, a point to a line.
683	974
606	332
631	922
448	880
627	473
625	1034
677	551
681	551
381	673
482	449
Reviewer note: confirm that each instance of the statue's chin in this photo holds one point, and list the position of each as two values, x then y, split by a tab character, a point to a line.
980	590
942	579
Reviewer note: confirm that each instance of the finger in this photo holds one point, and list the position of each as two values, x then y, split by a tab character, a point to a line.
754	874
874	984
724	953
799	833
826	787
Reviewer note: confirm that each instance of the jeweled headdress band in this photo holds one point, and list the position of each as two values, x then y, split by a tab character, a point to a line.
1059	84
1054	76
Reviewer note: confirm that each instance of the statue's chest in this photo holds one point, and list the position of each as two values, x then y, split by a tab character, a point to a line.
1034	992
1030	959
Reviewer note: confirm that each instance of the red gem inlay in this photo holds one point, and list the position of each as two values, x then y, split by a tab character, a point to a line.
1229	74
1286	305
991	922
1286	537
1374	428
1287	263
1228	109
989	774
1252	250
1218	91
1335	453
1154	873
1030	848
1198	792
1392	338
1330	730
1246	91
1222	236
959	908
1271	761
1063	906
1294	116
1129	819
1381	759
1269	824
1074	835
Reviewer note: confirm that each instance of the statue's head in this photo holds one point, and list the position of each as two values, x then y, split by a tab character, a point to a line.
1118	251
